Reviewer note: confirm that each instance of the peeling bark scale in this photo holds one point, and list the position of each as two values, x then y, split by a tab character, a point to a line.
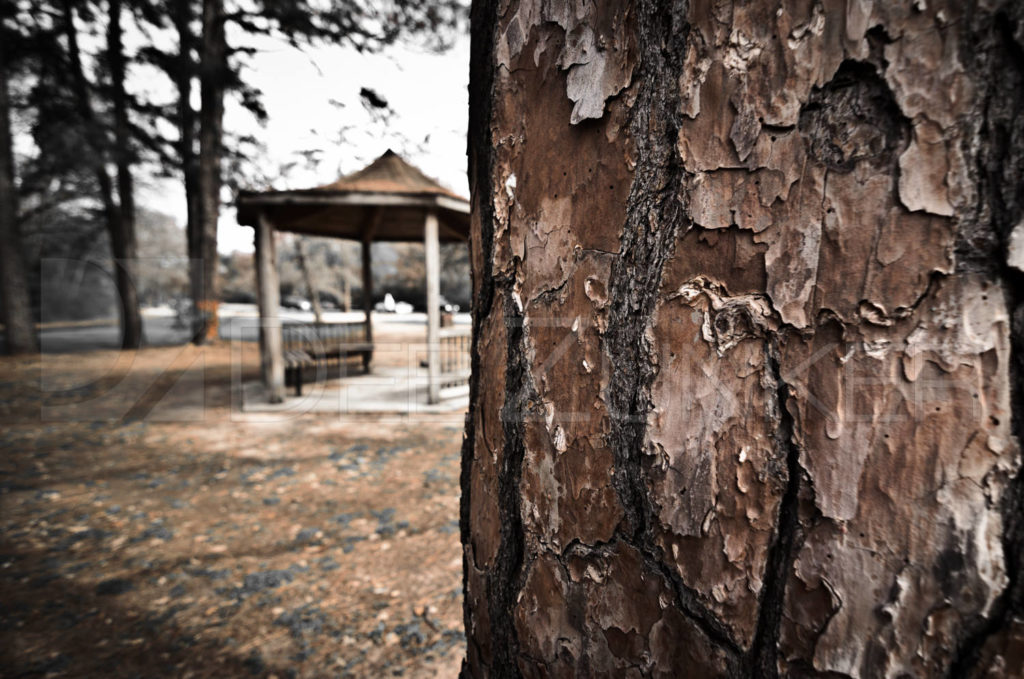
748	328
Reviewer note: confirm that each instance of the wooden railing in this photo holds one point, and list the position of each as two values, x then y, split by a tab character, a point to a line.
455	357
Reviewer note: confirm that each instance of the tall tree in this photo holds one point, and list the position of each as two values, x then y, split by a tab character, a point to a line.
179	156
182	68
19	329
123	239
119	218
213	84
748	386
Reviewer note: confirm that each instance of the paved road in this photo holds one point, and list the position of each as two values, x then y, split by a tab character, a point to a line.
159	331
237	321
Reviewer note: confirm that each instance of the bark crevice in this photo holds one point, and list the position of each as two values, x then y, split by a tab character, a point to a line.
763	657
483	18
655	217
983	245
654	214
506	579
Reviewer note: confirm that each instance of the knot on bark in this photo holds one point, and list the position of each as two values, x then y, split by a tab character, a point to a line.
728	319
852	118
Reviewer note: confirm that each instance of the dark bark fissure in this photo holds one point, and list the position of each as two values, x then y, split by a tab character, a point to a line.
483	19
656	215
983	246
688	598
506	579
763	656
691	605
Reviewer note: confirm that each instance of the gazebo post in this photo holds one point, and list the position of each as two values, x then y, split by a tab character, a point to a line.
268	296
368	232
368	288
431	248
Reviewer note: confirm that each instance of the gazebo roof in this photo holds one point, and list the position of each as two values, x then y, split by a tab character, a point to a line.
385	201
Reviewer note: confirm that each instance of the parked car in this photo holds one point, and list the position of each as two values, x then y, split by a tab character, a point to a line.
238	297
390	306
447	307
328	301
386	305
296	302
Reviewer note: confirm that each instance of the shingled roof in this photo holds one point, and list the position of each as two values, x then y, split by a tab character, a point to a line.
389	174
389	193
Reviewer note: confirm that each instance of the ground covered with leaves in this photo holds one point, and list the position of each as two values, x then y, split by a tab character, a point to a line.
148	528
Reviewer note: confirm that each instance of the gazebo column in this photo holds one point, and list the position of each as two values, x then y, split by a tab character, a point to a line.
373	220
268	295
368	295
432	251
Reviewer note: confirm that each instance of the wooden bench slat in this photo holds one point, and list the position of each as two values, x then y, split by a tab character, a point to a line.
307	345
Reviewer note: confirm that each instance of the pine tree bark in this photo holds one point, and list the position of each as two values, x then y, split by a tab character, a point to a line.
19	330
213	80
122	234
748	333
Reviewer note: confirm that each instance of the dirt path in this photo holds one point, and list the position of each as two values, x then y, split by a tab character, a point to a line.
180	538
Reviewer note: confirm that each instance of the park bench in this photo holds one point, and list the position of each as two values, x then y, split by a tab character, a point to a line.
320	345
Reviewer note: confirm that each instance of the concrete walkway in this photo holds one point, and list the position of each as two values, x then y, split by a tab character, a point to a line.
387	390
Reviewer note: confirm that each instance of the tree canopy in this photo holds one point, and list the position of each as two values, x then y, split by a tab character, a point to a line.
83	132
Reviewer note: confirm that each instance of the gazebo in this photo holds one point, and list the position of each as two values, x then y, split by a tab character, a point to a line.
389	200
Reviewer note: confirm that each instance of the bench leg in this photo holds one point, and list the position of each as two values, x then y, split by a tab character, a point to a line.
298	381
367	357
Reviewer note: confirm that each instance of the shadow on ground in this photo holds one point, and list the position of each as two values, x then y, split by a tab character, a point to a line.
218	545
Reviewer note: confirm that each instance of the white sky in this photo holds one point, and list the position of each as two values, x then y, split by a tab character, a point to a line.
427	91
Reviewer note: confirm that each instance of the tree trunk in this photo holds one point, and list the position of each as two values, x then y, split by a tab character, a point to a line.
307	276
346	292
748	324
121	243
19	330
213	75
122	236
183	16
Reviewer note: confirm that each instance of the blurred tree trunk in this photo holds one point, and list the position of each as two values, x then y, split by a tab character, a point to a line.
19	330
213	81
122	235
183	16
122	242
346	292
307	277
747	366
